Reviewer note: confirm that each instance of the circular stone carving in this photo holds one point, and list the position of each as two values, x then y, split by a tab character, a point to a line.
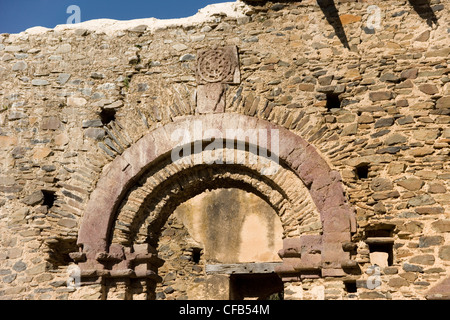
215	66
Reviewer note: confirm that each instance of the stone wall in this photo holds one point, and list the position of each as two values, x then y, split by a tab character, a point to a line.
374	103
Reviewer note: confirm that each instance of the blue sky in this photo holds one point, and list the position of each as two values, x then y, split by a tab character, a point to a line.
19	15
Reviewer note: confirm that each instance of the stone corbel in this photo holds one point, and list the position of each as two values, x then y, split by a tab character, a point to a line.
139	262
301	258
314	256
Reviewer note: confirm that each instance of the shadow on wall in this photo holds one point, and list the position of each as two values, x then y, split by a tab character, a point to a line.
329	9
424	10
331	12
332	15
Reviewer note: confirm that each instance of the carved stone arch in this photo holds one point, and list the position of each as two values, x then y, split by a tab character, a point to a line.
168	185
321	254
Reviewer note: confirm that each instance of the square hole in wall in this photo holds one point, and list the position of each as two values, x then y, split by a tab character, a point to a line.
350	286
380	240
333	101
362	171
49	198
107	116
387	248
196	255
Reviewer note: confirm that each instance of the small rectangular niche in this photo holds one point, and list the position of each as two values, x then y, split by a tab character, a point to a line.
196	255
49	198
381	250
350	286
380	240
107	116
382	232
362	171
333	101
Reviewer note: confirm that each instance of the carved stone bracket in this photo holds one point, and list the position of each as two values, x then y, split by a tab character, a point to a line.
139	262
301	258
313	256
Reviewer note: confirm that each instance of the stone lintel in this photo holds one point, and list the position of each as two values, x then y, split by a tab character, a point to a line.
379	240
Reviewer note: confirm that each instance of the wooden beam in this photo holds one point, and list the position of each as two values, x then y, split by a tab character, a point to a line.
242	268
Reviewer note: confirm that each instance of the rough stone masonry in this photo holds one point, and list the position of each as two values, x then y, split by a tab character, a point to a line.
92	207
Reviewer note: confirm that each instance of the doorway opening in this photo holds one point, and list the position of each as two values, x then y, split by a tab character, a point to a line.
256	287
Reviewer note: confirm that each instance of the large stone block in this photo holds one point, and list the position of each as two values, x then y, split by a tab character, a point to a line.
6	141
211	98
51	123
381	184
412	184
441	226
444	253
380	96
379	258
34	198
443	103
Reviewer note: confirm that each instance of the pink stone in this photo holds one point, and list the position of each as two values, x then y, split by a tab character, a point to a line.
211	98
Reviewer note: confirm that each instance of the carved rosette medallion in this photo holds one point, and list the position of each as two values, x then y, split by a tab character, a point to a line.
218	66
215	66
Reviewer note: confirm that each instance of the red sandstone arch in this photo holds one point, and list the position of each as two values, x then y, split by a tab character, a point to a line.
190	180
324	184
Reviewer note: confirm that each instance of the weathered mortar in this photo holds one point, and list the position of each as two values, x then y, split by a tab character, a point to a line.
72	100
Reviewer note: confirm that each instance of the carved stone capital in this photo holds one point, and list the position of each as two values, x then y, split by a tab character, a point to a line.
313	256
141	261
